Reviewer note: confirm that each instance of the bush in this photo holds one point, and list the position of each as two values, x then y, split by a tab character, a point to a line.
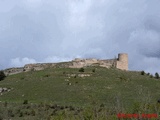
46	75
142	73
93	70
25	102
2	75
64	72
156	75
75	76
81	70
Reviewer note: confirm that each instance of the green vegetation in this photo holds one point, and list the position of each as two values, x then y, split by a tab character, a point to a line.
81	70
156	75
2	75
56	94
93	70
142	73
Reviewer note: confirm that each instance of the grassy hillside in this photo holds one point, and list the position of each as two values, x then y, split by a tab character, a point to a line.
109	88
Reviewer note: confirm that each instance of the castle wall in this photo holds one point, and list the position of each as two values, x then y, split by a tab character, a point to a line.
11	71
79	63
38	66
121	63
107	63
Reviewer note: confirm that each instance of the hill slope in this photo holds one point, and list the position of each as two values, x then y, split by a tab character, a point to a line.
66	86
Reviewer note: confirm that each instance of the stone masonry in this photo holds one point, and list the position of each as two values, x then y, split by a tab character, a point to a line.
120	63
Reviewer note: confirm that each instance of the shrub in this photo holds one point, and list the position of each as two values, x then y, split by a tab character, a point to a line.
81	70
64	72
33	113
93	70
2	75
156	75
5	104
46	75
25	102
142	73
151	76
22	78
21	114
75	76
10	113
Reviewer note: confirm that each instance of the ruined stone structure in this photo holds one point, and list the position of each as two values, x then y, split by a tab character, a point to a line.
11	71
38	66
121	63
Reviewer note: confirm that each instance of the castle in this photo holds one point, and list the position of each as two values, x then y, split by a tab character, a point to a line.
120	63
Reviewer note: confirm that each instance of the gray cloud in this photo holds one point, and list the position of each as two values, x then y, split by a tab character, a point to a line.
46	31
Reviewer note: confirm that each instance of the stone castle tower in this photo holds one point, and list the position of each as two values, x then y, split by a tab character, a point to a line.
122	61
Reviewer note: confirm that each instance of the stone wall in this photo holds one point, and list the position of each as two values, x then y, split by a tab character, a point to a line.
121	63
79	63
38	66
11	71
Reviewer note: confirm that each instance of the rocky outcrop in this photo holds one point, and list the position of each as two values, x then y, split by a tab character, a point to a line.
4	89
79	75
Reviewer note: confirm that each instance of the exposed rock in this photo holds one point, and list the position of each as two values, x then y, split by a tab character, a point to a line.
84	75
8	90
66	80
5	89
69	83
79	75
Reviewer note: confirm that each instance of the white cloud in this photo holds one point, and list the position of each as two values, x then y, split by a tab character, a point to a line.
19	62
55	59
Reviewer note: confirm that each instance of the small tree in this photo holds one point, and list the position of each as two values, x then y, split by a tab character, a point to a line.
148	74
2	75
156	75
25	102
142	73
81	70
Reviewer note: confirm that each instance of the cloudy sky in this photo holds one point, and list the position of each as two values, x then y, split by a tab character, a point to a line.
59	30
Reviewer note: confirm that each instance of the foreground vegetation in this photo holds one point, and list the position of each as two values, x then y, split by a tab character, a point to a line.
44	111
65	93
